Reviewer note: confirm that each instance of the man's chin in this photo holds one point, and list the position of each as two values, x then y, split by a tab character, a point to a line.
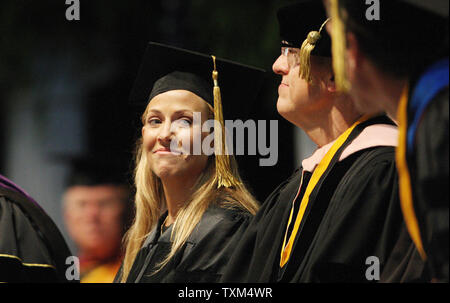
367	108
286	109
282	106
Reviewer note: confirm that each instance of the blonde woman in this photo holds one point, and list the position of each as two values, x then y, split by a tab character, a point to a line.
186	217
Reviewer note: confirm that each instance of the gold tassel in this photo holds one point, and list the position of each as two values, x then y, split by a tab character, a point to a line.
224	173
305	52
338	47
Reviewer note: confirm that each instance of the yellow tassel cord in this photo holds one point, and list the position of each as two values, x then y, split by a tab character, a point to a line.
224	174
406	199
338	47
305	52
288	244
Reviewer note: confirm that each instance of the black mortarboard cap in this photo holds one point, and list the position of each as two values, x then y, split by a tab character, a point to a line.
438	7
166	68
96	170
297	20
415	28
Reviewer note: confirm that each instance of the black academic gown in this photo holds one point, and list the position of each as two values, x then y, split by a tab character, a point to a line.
201	259
32	248
354	214
429	170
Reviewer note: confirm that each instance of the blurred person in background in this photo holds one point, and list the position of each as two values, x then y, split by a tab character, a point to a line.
96	212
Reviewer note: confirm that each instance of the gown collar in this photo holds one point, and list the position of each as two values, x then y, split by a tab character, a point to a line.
371	136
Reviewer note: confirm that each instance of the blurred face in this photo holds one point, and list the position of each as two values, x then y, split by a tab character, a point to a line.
168	125
93	215
297	96
358	72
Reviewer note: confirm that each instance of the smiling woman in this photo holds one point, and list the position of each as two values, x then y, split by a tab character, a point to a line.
169	119
190	207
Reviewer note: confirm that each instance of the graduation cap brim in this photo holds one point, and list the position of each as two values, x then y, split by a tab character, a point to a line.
298	19
239	83
438	7
92	170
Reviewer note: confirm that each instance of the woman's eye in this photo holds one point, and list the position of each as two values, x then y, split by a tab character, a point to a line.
184	122
153	121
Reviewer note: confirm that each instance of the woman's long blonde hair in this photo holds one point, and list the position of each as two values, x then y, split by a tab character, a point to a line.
150	202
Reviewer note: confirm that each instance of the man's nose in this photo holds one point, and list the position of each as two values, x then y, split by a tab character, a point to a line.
93	211
281	66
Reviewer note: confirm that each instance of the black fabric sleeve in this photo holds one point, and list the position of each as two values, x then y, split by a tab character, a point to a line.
364	220
207	254
256	254
430	183
24	254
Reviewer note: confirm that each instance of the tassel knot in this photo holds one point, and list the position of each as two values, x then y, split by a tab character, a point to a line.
313	37
305	53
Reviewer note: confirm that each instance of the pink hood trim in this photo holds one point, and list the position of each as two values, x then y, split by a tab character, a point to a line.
371	136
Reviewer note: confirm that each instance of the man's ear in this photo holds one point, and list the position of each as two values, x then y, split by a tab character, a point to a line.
353	61
331	85
353	56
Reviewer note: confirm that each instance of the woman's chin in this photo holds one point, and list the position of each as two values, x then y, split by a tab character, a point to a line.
165	173
169	171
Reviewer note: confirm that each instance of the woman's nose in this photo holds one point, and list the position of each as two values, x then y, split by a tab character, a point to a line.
281	66
166	133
